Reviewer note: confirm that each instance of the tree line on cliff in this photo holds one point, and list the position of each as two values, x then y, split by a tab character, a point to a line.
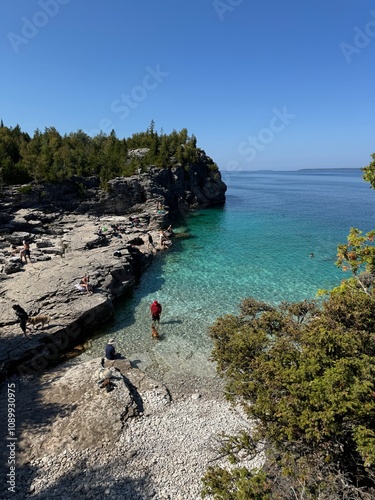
305	375
50	157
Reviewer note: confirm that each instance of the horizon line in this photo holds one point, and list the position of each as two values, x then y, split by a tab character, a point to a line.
297	170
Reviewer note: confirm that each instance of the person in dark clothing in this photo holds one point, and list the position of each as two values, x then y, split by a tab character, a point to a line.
155	309
110	351
150	241
22	317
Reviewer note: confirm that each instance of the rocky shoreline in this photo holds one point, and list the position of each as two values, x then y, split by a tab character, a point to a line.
142	439
137	441
63	225
49	287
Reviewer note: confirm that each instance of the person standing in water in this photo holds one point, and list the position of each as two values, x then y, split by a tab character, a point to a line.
155	309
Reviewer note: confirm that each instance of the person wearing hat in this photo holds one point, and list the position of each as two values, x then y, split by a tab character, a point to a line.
110	351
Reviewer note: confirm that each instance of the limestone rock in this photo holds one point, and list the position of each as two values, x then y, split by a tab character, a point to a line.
74	229
78	412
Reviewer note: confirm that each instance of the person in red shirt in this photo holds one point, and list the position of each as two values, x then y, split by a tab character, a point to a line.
155	309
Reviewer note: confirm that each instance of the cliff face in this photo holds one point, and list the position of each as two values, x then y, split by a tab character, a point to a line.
61	223
197	186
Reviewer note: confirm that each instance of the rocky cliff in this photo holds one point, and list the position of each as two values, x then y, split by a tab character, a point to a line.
76	228
197	185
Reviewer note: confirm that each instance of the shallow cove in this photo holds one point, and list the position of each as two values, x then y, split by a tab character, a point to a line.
258	245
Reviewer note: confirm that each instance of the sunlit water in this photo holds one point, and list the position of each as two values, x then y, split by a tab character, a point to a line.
258	245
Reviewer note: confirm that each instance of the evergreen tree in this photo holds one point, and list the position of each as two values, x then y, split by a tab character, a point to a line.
369	172
163	156
50	157
305	376
151	128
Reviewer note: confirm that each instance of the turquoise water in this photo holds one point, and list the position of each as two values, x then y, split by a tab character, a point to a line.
257	245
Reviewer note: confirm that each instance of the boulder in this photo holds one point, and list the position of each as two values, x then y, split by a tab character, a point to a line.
14	265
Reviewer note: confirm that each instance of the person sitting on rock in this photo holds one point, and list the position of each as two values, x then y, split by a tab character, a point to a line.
85	283
110	351
164	241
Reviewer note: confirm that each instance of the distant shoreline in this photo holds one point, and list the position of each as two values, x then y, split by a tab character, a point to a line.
347	169
328	169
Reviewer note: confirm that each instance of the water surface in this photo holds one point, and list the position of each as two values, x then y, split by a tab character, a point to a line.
257	245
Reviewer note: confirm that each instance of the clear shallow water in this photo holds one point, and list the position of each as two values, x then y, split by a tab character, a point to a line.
257	245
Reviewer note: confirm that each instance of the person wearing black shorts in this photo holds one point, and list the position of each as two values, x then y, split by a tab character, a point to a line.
155	310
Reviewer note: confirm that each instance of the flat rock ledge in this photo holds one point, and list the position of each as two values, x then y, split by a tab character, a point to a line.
65	246
76	439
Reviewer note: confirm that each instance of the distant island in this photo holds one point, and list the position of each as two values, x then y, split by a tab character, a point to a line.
347	169
270	171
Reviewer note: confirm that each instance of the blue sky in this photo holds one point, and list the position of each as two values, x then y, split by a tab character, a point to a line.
262	84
